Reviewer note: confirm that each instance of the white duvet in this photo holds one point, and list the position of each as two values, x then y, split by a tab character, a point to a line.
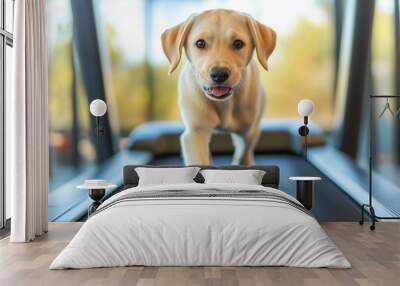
190	231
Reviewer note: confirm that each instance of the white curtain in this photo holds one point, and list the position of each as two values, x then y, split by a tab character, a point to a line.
27	124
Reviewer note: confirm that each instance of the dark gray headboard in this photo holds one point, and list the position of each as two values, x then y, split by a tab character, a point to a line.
271	177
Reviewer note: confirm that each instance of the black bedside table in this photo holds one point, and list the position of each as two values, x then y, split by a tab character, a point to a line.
96	195
96	190
305	190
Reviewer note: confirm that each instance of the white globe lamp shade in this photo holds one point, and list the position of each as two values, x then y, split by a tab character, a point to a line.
98	107
305	107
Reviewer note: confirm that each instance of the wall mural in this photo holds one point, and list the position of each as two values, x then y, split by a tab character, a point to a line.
184	86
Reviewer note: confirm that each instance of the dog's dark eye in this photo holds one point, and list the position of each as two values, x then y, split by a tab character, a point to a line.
201	44
238	44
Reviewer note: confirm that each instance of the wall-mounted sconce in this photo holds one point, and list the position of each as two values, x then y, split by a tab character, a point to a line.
305	108
98	108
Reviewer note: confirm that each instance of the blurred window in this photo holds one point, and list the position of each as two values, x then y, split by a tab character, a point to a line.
138	88
384	83
70	148
138	68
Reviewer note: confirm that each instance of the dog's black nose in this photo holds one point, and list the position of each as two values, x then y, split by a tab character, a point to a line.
219	75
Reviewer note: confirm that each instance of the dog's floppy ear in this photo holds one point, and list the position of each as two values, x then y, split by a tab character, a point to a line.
173	40
264	40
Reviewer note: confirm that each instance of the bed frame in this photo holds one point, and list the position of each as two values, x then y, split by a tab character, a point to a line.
270	179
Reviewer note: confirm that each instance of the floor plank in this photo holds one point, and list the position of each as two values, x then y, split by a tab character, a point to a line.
375	257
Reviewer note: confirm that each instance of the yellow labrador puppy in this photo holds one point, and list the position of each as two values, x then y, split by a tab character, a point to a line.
219	86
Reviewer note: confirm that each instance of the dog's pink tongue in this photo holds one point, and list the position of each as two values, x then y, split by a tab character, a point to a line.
218	90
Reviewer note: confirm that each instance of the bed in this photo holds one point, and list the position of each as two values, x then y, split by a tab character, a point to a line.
199	224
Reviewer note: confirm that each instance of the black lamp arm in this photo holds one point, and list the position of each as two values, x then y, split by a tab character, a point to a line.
99	128
304	131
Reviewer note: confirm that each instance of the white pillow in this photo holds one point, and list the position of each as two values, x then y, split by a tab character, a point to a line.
163	176
248	177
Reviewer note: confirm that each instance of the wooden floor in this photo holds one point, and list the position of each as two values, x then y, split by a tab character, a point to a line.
375	257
